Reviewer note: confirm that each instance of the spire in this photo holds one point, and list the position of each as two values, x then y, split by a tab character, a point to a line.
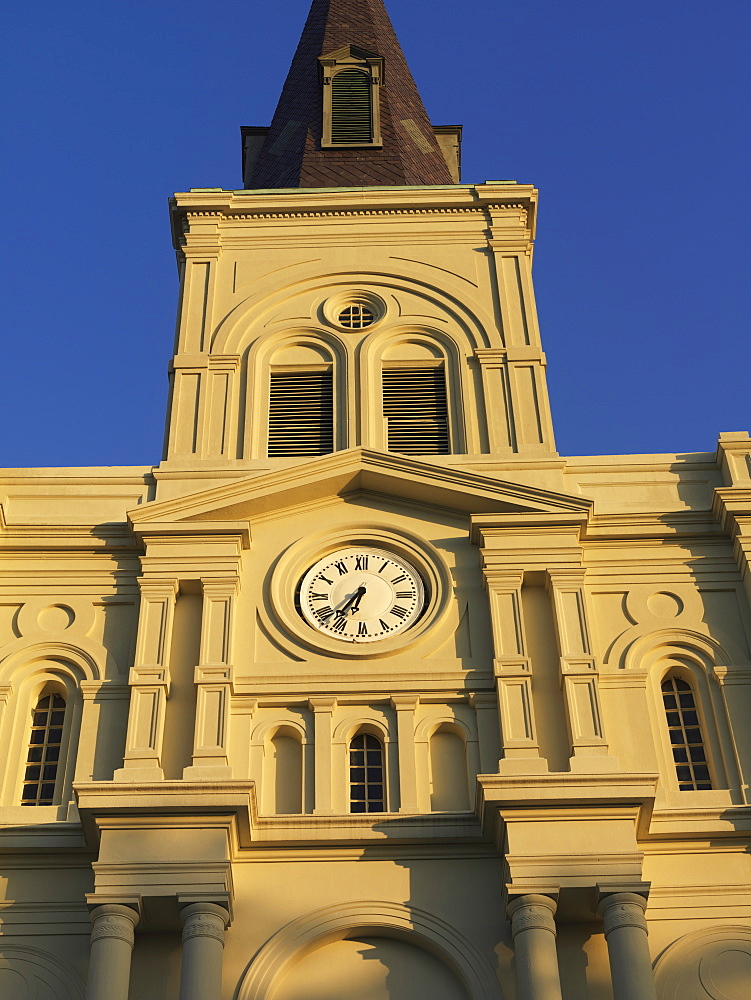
300	149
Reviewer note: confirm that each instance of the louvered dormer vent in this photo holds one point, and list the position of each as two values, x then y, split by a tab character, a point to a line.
416	410
301	412
351	108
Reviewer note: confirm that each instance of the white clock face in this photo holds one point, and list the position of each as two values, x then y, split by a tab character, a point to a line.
361	595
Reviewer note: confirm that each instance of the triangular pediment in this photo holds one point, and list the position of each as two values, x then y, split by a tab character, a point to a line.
357	471
345	53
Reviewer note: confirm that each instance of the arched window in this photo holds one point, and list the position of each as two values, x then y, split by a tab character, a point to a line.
415	406
351	108
449	790
367	788
686	737
43	757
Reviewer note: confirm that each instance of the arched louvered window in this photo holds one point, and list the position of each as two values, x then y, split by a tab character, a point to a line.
416	410
351	108
301	412
43	758
686	737
367	788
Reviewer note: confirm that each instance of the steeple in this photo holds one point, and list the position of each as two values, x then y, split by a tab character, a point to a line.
350	113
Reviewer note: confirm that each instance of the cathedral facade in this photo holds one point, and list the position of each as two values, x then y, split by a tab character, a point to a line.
365	692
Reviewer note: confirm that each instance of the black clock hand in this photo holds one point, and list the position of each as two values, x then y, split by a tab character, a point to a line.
356	605
357	594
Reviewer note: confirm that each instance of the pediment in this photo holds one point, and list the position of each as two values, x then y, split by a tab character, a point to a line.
357	471
345	53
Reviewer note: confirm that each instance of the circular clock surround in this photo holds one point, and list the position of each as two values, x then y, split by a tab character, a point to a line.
362	595
283	608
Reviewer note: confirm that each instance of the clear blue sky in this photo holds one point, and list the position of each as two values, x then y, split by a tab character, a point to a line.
631	118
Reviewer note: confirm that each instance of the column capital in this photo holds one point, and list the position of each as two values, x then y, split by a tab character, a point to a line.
322	704
204	920
114	920
402	702
220	586
158	588
622	909
532	912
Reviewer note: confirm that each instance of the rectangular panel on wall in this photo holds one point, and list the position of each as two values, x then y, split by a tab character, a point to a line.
498	407
218	413
529	423
187	390
516	319
197	307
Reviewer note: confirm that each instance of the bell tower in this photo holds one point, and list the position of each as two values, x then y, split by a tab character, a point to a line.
354	293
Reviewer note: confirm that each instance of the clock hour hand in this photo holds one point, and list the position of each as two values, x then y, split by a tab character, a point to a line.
356	596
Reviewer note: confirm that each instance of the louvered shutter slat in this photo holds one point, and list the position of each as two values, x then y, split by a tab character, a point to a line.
416	410
301	413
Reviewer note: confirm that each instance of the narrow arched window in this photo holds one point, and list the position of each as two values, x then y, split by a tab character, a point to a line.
301	412
351	108
686	737
367	788
415	406
43	758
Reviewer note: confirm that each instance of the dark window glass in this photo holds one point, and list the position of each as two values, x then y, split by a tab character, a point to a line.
44	751
685	735
366	788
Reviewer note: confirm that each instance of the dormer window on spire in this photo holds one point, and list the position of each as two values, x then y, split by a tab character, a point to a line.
352	79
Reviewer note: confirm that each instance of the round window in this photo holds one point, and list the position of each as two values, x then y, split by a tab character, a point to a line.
356	317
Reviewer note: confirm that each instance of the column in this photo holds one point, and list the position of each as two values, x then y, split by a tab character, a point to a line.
628	946
323	709
579	674
405	705
112	940
536	958
513	671
213	678
203	949
149	683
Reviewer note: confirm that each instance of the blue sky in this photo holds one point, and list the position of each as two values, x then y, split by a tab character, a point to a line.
632	119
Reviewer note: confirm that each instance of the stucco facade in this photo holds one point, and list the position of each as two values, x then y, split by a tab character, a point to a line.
531	814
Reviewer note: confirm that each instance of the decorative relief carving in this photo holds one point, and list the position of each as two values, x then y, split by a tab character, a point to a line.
204	925
112	925
623	913
532	912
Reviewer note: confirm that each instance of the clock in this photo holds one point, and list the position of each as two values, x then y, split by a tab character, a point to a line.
361	594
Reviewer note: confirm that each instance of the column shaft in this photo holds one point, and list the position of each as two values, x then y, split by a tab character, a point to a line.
628	946
203	948
112	939
536	958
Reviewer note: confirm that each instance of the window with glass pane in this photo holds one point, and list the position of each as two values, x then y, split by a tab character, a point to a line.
685	735
44	751
366	778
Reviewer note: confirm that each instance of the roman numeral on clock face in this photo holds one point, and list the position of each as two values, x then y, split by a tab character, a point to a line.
323	613
341	567
339	625
362	628
399	612
322	597
403	594
399	579
361	562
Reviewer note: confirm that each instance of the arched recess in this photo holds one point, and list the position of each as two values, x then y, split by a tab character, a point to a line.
292	353
701	662
42	669
374	919
42	976
265	298
407	354
711	963
449	769
283	771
